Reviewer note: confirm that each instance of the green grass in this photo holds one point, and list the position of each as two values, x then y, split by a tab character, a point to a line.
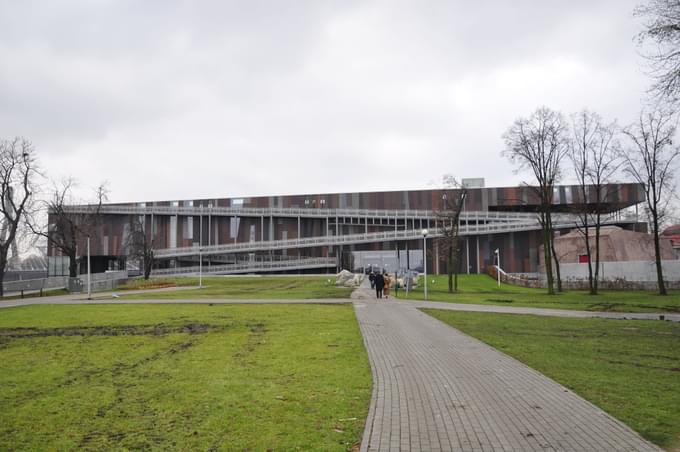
266	287
182	377
631	369
482	289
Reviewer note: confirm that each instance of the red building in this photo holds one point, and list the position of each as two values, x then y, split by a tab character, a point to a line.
323	232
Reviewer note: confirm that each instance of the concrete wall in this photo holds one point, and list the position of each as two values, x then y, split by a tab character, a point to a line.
630	271
634	275
623	275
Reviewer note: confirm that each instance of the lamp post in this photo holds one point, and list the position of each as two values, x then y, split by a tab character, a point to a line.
200	244
89	292
498	265
209	231
425	259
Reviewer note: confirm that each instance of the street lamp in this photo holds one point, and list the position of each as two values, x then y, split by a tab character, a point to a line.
209	231
200	244
498	266
89	291
425	259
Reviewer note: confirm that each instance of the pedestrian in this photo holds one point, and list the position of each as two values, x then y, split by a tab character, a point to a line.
371	278
379	284
388	283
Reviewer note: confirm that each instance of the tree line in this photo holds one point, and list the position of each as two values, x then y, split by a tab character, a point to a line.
595	152
24	201
545	143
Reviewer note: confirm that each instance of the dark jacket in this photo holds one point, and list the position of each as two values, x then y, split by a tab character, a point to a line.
379	281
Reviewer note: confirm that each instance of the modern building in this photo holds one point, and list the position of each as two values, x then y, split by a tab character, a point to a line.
672	233
616	245
319	233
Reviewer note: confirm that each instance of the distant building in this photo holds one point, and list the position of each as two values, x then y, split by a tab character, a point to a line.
616	245
329	231
672	233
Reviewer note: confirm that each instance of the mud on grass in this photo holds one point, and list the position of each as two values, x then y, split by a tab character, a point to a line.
190	377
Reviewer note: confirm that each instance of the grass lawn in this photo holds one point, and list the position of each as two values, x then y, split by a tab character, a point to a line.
631	369
188	377
248	287
482	289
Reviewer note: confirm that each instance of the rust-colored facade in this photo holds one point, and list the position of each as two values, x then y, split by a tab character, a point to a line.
237	229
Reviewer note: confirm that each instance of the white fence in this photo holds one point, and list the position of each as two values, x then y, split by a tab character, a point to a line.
98	281
629	271
53	282
623	275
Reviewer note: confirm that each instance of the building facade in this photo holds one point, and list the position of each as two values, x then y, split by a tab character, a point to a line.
322	233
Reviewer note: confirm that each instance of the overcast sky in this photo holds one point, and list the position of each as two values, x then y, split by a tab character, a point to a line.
195	99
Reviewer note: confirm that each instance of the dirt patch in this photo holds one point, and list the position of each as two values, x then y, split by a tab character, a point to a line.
117	330
645	366
256	338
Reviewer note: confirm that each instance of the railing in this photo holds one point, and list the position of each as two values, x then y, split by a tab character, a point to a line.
559	222
53	282
331	240
248	266
98	281
294	212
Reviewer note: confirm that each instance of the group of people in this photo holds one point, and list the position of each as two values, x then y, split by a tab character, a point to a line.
381	283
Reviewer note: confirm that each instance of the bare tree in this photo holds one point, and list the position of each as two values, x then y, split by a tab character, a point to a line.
448	222
650	159
539	144
140	243
17	176
66	224
662	30
594	152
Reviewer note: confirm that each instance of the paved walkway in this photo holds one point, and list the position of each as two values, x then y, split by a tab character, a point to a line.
438	389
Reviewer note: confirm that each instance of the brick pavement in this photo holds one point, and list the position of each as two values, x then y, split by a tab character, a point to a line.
435	388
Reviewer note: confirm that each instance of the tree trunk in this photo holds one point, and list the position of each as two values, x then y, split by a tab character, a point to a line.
586	230
449	266
72	265
148	262
455	263
547	255
597	254
557	264
657	252
3	266
551	236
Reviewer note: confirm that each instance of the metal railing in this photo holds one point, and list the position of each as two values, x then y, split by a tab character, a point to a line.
332	240
559	222
294	212
249	266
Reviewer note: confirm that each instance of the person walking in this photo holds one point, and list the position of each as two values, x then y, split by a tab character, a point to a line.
379	282
387	284
371	278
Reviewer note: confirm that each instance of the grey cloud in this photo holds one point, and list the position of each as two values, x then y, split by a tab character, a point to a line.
266	97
